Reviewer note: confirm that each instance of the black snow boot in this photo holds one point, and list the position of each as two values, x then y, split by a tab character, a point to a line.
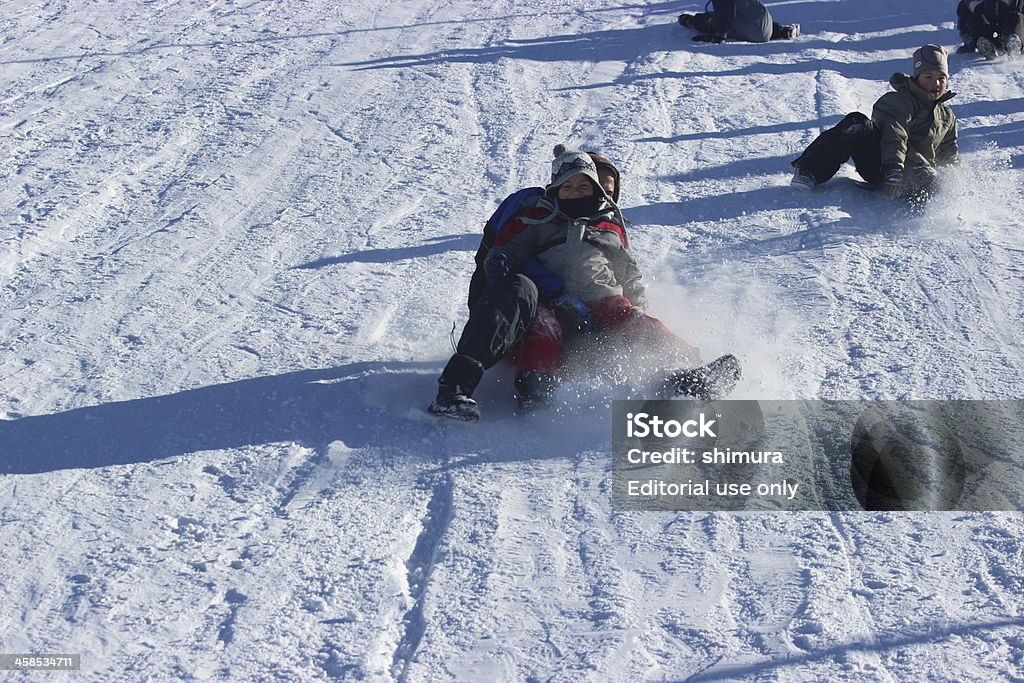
453	401
785	31
709	382
455	390
534	391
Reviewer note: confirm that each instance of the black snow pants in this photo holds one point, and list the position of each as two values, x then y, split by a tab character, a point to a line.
855	137
497	322
989	22
1013	24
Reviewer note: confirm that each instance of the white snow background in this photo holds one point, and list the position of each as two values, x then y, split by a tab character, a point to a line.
235	237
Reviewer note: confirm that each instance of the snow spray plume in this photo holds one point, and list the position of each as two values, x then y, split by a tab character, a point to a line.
767	335
609	365
980	193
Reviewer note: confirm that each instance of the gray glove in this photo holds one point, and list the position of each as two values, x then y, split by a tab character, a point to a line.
925	175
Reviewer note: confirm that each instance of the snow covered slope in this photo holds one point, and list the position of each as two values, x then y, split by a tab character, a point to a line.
235	237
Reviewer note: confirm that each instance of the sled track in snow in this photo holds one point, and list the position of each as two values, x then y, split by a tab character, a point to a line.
420	566
204	200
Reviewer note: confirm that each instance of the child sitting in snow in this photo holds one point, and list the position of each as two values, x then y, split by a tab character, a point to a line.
747	20
576	232
911	131
991	27
532	308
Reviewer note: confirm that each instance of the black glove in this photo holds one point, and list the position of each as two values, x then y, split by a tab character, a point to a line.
574	312
496	267
709	37
893	185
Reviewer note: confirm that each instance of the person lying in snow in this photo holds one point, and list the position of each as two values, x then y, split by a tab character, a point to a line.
576	231
991	27
911	132
747	20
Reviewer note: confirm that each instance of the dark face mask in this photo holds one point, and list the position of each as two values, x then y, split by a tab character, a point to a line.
578	208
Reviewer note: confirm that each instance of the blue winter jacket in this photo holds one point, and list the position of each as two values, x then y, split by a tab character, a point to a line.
548	284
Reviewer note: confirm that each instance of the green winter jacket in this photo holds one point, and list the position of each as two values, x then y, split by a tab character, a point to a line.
916	130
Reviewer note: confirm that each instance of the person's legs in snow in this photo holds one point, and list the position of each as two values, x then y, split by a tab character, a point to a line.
538	360
498	321
855	137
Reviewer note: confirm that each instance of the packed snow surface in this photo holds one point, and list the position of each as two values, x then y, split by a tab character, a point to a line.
236	235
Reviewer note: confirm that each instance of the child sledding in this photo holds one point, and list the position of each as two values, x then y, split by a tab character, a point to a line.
912	131
576	232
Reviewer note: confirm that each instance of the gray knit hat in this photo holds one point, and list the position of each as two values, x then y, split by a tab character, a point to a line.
930	58
568	163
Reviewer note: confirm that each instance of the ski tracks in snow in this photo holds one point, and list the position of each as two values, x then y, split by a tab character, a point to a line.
202	193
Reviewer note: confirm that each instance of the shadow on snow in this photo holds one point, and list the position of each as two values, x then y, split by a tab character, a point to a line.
627	44
867	214
372	405
432	247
